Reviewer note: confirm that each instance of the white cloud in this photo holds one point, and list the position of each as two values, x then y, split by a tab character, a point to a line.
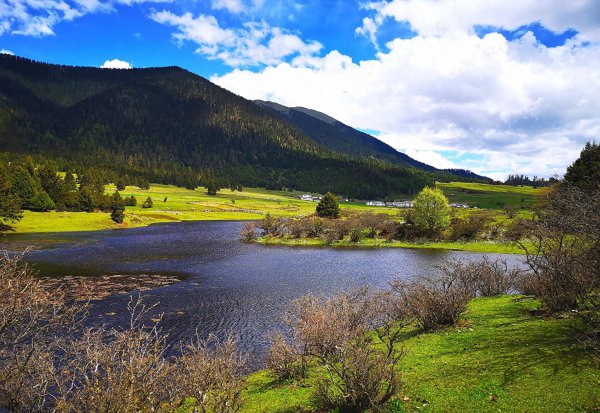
234	6
509	106
439	18
116	64
252	44
4	51
37	18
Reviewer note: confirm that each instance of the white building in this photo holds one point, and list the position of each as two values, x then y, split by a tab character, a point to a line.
375	203
306	197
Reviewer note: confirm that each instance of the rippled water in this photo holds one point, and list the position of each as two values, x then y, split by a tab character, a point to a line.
228	285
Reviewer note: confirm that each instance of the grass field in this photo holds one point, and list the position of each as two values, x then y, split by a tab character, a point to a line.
489	196
501	358
179	204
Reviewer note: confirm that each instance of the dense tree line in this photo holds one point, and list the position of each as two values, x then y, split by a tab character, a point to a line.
523	180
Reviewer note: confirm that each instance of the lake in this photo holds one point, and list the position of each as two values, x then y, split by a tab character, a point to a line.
226	285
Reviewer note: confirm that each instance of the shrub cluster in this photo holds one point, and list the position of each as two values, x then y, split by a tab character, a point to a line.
48	362
355	226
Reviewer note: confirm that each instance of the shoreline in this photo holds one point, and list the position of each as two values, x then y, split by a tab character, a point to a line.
480	247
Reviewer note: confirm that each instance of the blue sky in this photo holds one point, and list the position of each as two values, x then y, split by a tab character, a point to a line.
493	86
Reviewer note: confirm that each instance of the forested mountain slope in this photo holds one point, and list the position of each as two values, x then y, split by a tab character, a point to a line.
172	126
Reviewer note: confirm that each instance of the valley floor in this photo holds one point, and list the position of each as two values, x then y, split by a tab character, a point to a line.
173	204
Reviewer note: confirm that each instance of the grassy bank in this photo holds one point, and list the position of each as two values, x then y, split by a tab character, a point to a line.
491	247
502	357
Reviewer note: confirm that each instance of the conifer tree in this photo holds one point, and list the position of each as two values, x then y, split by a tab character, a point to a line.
328	207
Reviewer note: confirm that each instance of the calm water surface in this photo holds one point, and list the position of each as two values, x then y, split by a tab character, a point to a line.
228	285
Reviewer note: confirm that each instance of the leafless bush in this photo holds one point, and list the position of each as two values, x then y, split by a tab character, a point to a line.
285	360
34	325
272	226
436	301
248	232
494	277
356	235
562	246
471	226
360	365
212	372
49	363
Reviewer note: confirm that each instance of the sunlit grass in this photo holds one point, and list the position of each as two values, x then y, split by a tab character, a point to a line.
501	358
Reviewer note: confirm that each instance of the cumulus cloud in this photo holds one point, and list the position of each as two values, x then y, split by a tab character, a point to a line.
255	43
4	51
116	64
439	18
502	106
234	6
37	18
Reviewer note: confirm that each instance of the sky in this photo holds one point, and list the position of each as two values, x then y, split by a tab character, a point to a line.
494	86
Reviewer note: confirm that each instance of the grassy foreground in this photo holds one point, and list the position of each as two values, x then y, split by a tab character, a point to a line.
501	358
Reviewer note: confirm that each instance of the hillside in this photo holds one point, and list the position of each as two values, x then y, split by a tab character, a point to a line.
339	137
172	126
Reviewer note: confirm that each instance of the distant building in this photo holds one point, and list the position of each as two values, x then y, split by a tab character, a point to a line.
456	205
375	203
403	204
309	197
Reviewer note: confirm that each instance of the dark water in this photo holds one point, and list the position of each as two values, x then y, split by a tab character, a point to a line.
228	285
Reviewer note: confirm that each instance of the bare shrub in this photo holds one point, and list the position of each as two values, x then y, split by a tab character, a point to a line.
494	277
272	226
562	246
34	325
248	232
337	334
116	370
436	301
285	360
212	372
471	226
314	226
356	235
49	363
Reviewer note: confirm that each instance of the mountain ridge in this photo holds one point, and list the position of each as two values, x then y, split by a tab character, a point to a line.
172	126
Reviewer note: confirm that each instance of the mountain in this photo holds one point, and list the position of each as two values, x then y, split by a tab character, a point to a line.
169	125
337	136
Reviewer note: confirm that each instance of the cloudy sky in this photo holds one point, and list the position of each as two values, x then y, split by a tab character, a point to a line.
494	86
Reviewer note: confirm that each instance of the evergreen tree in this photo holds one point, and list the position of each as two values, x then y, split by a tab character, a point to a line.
328	207
212	188
41	202
10	203
117	213
148	203
69	182
23	185
585	171
120	184
131	201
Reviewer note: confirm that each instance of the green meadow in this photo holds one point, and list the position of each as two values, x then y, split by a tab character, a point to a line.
172	204
178	204
489	196
503	356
